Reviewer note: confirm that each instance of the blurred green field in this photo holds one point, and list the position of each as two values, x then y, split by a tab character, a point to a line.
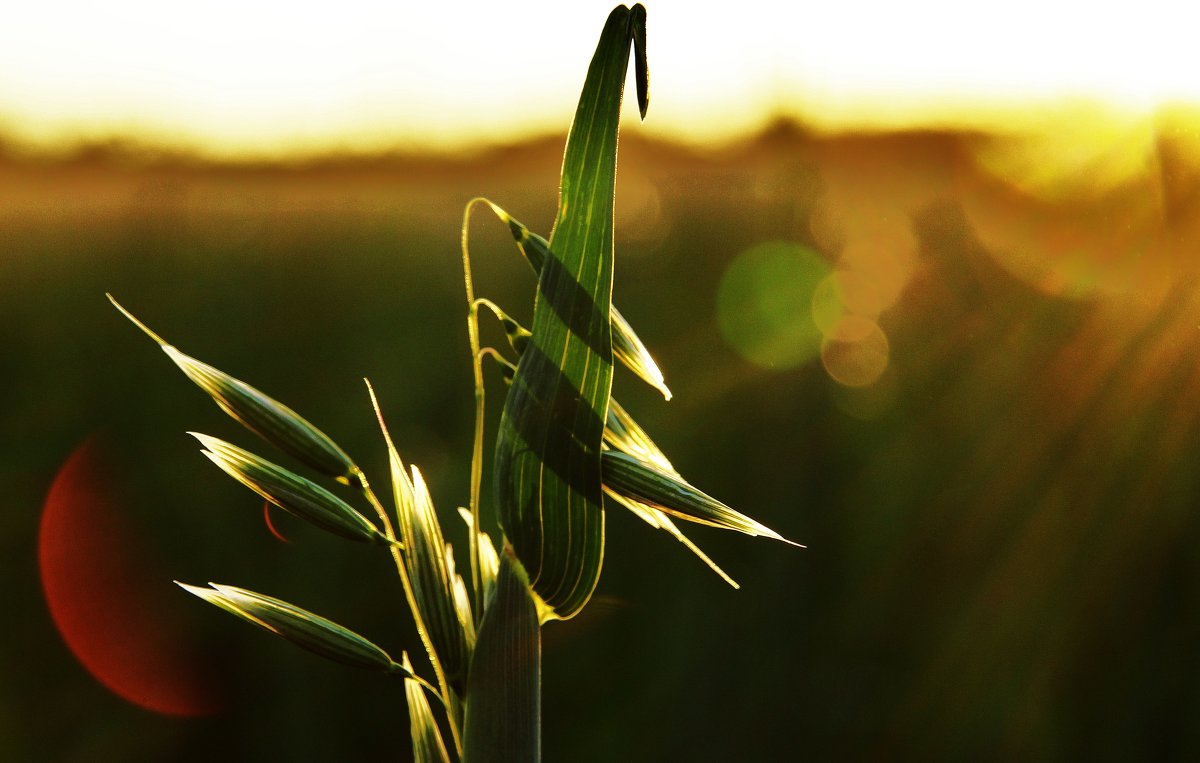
1001	528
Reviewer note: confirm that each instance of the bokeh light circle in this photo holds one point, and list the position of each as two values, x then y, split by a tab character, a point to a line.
856	353
828	303
765	304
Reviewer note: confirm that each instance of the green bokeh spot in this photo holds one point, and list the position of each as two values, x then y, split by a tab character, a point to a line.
765	304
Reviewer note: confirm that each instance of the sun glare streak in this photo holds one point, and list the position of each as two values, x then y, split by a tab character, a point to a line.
1113	421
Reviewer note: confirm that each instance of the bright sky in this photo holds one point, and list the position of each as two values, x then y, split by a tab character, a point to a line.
268	76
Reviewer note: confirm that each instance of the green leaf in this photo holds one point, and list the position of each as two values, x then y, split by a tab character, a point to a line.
268	418
428	746
291	492
634	479
301	627
548	482
504	711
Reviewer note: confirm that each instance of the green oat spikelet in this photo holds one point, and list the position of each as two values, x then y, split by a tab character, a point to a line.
489	560
301	627
266	417
627	346
429	565
636	480
427	743
291	492
626	435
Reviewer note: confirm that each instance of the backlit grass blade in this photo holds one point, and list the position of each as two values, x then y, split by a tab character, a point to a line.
462	602
489	561
268	418
432	576
427	743
504	709
430	571
548	480
657	519
626	435
633	478
627	345
304	629
291	492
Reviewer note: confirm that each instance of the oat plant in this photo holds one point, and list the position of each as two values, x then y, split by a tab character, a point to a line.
564	450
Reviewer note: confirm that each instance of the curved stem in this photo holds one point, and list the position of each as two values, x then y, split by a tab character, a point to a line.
489	304
477	444
431	689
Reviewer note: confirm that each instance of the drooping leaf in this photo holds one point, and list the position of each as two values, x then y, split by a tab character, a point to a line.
504	711
291	492
301	627
548	479
268	418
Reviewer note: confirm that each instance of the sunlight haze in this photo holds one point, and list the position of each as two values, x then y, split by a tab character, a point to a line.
268	78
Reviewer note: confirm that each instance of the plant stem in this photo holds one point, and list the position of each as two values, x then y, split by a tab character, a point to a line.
477	445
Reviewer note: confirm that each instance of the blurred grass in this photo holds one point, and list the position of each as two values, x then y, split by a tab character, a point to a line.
1001	531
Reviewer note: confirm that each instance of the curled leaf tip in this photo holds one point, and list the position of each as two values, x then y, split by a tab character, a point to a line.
637	20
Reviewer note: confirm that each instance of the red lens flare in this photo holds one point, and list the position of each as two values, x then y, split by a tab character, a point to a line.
271	525
107	601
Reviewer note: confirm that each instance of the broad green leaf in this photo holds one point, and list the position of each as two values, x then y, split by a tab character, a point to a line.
627	345
268	418
504	710
548	479
302	628
291	492
427	743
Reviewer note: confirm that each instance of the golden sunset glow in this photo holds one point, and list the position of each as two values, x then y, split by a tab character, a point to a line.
269	78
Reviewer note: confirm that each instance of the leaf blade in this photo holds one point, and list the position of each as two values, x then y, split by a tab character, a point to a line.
504	710
548	481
